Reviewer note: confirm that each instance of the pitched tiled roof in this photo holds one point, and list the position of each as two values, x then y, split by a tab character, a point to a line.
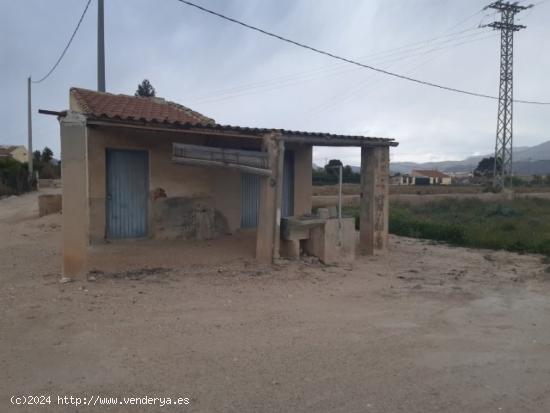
124	107
4	152
101	105
430	173
9	148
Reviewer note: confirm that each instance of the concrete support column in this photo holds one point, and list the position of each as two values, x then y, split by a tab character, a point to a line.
267	238
74	175
302	180
374	209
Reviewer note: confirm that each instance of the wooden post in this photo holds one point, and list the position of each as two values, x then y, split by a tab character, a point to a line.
374	209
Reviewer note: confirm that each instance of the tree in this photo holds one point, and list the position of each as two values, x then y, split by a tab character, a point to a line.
42	162
36	158
486	167
331	168
145	89
347	172
47	155
14	177
537	180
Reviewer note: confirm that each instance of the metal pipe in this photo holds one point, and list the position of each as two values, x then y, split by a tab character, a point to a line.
340	195
278	197
340	205
29	127
100	47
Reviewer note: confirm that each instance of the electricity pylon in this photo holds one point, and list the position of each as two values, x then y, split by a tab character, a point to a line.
503	170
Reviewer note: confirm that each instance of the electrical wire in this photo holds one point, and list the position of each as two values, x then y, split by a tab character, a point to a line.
461	22
301	77
368	86
353	62
67	46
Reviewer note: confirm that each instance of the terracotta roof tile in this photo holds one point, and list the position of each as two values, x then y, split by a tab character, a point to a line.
4	152
154	110
108	105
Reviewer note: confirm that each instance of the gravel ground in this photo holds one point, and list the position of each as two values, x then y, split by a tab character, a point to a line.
421	328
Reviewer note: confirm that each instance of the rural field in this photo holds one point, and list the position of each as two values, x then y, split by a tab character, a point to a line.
421	328
354	189
520	225
328	195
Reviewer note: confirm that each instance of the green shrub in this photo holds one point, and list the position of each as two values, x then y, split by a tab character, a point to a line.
14	177
401	224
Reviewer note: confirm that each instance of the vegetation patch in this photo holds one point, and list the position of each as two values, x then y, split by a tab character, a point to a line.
520	225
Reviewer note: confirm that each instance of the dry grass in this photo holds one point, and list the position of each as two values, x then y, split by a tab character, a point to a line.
354	189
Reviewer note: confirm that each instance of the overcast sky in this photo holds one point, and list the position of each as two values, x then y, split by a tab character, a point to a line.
241	77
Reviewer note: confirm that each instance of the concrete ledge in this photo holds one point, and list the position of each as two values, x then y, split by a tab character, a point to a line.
49	204
49	183
331	244
290	249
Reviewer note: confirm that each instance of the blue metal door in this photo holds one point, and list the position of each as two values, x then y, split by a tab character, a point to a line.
250	200
288	185
127	193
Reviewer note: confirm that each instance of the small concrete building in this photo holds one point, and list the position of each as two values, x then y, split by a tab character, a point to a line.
17	152
430	177
146	168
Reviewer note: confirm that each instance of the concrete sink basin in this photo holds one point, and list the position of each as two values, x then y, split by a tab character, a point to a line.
297	228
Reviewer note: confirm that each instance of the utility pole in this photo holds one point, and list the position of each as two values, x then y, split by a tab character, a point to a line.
100	47
503	169
29	128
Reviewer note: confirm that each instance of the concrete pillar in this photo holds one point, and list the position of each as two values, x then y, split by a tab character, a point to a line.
374	209
302	180
269	214
74	175
278	197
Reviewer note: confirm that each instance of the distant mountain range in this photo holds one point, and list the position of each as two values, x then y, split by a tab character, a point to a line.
528	160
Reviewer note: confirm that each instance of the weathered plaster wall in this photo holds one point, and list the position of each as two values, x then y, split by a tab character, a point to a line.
20	154
331	243
182	181
374	208
49	204
75	223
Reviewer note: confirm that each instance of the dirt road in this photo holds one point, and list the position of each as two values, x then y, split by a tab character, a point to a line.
422	328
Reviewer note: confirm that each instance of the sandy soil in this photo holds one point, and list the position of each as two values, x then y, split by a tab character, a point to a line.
422	328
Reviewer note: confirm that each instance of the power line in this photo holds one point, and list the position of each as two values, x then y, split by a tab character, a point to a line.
461	22
301	77
67	46
364	86
353	62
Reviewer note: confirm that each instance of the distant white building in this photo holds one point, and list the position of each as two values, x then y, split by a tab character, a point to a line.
431	177
19	153
420	177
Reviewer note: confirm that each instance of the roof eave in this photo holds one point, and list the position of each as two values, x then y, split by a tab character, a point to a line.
309	138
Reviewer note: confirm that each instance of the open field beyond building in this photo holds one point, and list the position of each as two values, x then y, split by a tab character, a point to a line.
421	328
355	189
520	225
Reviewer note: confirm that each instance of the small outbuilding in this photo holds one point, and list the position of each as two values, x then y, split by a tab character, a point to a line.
146	168
430	177
17	152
